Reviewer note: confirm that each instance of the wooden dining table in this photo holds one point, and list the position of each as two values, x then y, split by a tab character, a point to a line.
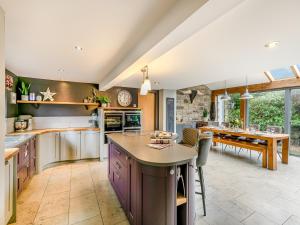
270	138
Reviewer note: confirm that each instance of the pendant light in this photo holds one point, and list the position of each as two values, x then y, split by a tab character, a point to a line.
246	95
225	97
146	85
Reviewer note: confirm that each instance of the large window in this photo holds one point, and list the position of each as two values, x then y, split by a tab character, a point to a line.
267	109
229	111
295	122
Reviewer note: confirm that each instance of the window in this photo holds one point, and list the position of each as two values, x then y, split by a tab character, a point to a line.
282	73
267	109
229	111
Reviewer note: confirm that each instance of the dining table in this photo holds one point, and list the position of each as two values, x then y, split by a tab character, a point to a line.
272	141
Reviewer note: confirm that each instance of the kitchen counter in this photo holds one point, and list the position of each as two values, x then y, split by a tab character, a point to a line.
17	140
145	180
136	146
49	130
10	152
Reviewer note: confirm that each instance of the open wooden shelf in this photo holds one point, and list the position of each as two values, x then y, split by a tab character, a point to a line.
120	108
180	200
37	103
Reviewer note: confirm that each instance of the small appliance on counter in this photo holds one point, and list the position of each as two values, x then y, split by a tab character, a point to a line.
28	120
20	125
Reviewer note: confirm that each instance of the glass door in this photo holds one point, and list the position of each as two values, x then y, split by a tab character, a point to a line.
295	123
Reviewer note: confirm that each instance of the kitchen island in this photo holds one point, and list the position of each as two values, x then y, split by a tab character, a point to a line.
146	180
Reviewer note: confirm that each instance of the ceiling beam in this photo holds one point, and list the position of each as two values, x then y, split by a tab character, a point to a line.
269	76
275	85
296	71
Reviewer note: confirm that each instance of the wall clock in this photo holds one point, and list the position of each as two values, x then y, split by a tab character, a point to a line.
124	98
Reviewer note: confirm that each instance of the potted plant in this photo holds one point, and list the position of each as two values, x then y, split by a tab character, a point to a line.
104	100
24	90
205	115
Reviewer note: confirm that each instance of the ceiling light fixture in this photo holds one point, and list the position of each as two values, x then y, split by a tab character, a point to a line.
246	94
225	97
146	85
272	44
78	48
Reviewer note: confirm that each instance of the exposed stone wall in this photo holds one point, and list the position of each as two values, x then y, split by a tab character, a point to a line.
186	111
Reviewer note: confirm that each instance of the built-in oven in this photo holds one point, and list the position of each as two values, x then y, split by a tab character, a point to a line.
132	120
113	121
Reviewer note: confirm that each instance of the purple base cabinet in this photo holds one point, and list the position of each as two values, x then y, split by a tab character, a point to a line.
148	194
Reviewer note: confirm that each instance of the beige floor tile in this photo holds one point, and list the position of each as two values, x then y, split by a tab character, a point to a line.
56	220
53	205
26	212
293	220
82	208
258	219
93	221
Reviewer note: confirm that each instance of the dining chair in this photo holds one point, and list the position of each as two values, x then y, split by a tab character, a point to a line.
189	137
204	145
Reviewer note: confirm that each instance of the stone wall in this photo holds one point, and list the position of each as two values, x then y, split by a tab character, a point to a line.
187	111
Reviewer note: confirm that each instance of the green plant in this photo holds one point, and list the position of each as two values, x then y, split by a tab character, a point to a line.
205	113
24	90
103	99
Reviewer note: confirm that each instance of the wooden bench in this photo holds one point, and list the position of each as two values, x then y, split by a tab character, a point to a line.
245	144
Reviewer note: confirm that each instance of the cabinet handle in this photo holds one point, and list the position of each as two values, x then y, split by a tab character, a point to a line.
118	165
172	172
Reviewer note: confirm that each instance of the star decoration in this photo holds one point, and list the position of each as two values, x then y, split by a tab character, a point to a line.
48	95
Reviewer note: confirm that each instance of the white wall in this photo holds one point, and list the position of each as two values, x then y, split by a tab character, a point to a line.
2	116
163	94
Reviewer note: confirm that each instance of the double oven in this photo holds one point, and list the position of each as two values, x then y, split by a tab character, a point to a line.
122	121
116	121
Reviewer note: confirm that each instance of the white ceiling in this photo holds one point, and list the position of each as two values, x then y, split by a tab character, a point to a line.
231	47
41	35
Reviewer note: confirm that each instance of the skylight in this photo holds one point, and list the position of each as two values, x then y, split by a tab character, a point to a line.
298	66
283	73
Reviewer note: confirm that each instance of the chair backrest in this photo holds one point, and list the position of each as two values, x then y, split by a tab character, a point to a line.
204	145
214	123
254	126
275	129
190	136
225	124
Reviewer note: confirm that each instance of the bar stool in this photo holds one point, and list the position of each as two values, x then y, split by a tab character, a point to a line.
189	137
204	145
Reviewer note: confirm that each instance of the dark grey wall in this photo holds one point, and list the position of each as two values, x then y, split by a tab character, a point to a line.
65	91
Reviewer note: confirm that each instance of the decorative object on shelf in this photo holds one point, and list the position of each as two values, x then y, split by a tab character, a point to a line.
13	98
146	85
226	96
205	115
104	100
124	98
9	82
38	98
32	96
48	95
246	95
24	90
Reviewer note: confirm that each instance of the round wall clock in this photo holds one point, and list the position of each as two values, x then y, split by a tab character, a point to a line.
124	98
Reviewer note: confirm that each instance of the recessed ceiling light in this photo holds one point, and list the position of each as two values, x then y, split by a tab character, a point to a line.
272	44
78	48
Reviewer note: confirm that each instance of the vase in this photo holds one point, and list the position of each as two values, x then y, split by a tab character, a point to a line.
24	97
205	119
104	105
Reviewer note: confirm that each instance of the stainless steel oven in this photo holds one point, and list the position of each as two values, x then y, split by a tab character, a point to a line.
113	121
132	120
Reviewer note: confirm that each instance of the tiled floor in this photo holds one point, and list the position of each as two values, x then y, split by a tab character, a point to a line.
239	191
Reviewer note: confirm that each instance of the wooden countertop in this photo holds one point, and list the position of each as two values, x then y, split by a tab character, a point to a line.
49	130
136	146
10	152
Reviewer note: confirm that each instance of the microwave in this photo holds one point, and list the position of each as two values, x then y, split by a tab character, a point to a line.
132	120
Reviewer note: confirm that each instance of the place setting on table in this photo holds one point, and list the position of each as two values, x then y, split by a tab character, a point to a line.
162	139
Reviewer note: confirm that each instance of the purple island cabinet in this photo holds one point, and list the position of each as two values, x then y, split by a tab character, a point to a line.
148	193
